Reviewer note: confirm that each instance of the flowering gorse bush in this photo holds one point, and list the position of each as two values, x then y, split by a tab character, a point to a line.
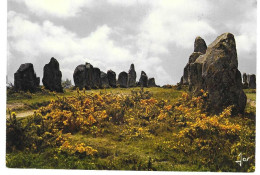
211	141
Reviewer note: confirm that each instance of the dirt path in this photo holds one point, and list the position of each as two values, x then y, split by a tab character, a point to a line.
14	106
23	114
251	102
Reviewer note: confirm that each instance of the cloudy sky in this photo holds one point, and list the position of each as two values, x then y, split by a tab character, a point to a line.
156	35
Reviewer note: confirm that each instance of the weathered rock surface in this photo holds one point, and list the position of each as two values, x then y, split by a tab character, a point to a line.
217	72
79	76
52	76
132	76
83	76
96	78
143	79
151	82
104	80
25	78
200	45
200	48
111	75
252	81
123	80
89	76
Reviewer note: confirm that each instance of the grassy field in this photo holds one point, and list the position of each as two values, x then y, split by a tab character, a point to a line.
127	129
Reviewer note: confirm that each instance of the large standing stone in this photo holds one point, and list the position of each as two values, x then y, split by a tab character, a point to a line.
252	81
132	76
111	75
52	76
123	79
104	80
217	73
96	78
200	45
25	78
83	76
151	82
143	79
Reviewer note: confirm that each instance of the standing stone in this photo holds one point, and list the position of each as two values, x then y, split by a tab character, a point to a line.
89	76
200	48
185	75
244	78
111	75
200	45
104	80
83	75
245	81
25	78
252	81
96	78
143	79
181	82
151	82
52	76
123	79
217	73
79	76
132	76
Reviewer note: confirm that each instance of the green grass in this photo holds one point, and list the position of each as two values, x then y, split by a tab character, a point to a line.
251	94
114	151
33	101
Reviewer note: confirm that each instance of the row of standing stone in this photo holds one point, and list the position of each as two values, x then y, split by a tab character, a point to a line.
89	77
249	81
85	76
25	78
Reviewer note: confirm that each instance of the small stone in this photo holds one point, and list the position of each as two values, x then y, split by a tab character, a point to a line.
151	82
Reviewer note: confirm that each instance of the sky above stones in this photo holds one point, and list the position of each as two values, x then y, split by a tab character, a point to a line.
156	35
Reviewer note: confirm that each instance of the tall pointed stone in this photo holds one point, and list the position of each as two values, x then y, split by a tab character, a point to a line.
132	76
200	45
52	76
200	48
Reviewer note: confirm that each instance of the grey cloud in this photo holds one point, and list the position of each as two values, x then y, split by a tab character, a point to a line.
126	21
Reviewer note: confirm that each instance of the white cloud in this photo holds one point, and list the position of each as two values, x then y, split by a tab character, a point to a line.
130	2
158	42
246	39
173	22
35	40
58	8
